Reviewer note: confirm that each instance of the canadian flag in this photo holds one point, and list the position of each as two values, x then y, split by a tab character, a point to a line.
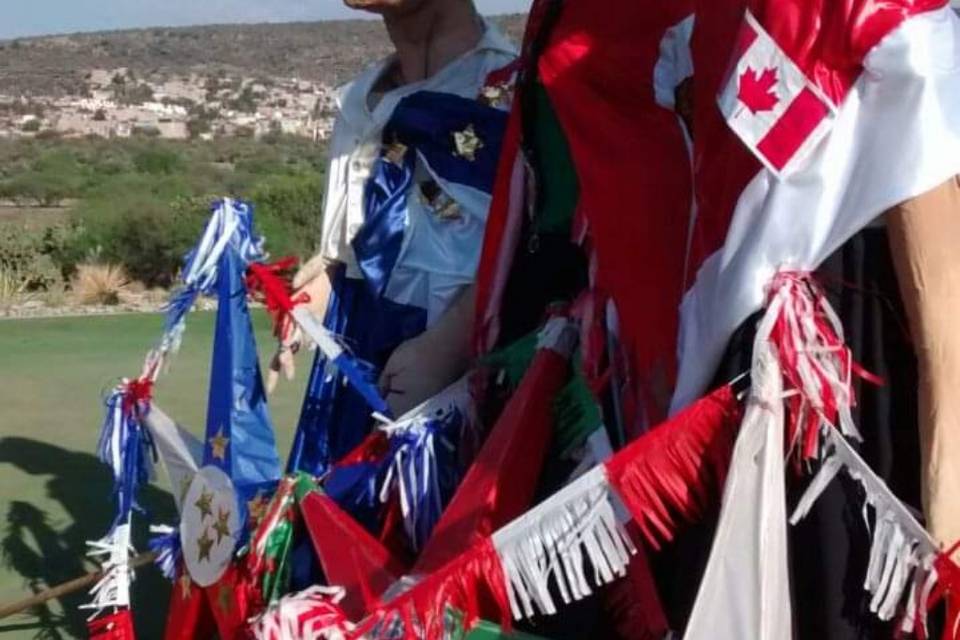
770	104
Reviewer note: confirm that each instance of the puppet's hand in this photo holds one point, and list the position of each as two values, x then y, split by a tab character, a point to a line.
419	369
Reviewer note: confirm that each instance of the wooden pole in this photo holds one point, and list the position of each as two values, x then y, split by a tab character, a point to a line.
67	588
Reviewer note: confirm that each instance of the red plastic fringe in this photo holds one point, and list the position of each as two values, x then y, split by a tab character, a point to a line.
676	470
272	284
947	590
471	583
116	626
814	359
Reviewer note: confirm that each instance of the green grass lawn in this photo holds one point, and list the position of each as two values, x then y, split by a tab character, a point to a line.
54	493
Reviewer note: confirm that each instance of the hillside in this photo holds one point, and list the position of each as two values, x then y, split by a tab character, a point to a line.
325	52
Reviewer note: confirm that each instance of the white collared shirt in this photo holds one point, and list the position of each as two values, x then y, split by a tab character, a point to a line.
356	145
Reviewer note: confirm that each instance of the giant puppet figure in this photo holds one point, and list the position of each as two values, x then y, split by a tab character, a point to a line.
412	160
826	149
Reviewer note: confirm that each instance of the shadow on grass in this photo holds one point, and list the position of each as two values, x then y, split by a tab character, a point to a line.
47	553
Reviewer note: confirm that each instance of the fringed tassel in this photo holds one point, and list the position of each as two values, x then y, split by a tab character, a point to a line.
549	549
124	444
113	553
902	553
313	614
423	465
471	582
815	360
230	224
166	545
675	471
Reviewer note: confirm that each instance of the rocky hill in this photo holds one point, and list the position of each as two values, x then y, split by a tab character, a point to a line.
324	52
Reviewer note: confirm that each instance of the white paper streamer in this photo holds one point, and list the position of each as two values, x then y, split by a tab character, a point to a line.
547	550
901	551
113	553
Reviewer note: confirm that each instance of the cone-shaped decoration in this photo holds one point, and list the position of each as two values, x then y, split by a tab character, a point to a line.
349	555
239	436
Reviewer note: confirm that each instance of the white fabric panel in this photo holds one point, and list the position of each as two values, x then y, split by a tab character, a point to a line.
745	592
897	135
179	451
439	256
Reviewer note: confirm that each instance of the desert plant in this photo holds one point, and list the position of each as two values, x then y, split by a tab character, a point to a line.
96	283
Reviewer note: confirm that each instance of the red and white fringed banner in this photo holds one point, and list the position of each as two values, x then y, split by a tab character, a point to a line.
576	540
817	365
904	557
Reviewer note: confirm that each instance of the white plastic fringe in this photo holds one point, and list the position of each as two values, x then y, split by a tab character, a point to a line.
552	546
812	351
902	551
113	553
313	614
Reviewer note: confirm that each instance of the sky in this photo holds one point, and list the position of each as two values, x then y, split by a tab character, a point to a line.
22	18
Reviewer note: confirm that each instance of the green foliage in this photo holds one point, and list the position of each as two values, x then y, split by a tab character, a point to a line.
29	258
141	203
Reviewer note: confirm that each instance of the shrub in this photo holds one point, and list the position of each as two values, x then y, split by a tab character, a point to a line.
99	283
27	257
288	211
157	160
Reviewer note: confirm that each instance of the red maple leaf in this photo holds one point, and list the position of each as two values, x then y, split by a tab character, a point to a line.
757	89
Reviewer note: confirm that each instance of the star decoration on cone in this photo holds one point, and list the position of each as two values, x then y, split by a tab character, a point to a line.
221	527
225	598
257	508
204	545
185	584
219	445
466	143
205	504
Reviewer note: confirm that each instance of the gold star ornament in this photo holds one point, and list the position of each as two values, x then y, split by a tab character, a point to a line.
221	527
185	584
257	508
466	143
204	545
205	504
225	598
219	445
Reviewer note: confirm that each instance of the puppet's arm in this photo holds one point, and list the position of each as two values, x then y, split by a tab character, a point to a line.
425	365
925	241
